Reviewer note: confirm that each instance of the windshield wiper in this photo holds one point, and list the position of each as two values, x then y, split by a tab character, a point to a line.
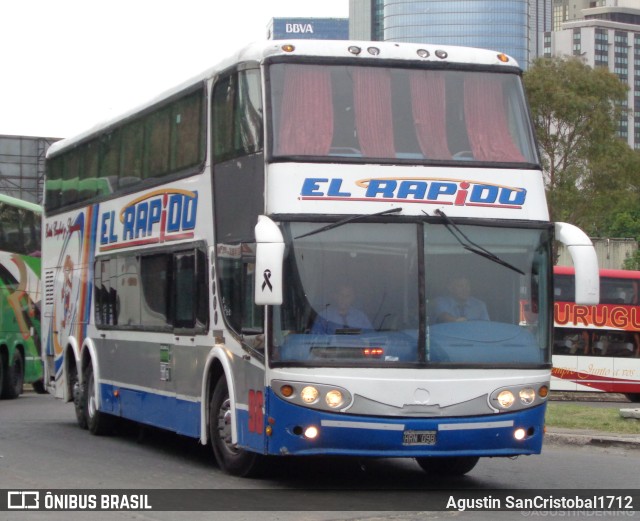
471	246
347	220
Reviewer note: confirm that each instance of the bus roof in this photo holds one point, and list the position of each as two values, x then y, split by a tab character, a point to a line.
604	273
260	51
19	203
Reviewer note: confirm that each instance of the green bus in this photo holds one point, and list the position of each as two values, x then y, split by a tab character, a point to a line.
20	239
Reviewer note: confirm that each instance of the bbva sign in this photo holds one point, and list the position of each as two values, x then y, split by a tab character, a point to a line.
298	28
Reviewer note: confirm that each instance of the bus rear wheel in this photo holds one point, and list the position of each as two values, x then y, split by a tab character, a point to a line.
448	466
230	458
78	391
633	397
98	422
13	381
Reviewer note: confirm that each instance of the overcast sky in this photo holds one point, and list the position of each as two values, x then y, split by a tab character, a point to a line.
69	64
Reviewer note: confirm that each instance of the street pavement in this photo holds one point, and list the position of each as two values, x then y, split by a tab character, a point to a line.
584	437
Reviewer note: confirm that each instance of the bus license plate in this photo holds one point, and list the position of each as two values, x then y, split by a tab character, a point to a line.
419	438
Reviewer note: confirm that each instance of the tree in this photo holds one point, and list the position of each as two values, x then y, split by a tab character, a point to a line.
576	110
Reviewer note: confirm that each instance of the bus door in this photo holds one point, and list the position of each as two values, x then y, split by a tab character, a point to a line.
250	386
236	271
182	362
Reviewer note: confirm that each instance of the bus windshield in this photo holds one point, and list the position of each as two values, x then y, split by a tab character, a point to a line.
354	296
395	114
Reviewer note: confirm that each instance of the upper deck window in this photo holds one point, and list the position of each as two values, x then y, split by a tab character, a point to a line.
381	114
165	141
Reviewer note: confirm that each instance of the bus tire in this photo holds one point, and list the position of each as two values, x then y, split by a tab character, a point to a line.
448	466
13	381
3	368
230	458
633	397
78	391
38	387
98	422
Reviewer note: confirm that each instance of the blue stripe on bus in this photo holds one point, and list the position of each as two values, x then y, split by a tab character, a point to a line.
164	411
383	437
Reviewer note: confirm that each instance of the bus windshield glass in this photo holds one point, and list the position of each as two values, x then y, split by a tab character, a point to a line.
394	114
412	293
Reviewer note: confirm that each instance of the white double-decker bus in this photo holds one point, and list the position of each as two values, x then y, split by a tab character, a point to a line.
262	257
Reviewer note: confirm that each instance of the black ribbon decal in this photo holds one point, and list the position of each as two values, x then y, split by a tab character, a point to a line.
267	282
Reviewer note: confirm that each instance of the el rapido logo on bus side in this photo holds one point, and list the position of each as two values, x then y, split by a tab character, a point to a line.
158	216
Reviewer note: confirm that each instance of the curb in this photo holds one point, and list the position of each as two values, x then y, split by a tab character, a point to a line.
589	439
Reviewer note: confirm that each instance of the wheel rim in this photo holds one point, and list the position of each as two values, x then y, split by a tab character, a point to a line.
91	392
224	427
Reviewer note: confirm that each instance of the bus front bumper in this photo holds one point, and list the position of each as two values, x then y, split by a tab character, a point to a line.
508	434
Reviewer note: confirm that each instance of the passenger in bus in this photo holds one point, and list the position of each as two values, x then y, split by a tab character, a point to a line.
578	343
459	305
340	316
617	344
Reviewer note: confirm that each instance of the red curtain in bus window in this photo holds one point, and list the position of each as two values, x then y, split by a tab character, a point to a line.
487	124
306	120
372	101
429	113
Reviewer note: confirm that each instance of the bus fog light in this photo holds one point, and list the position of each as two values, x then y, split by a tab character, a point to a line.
519	434
334	398
506	399
527	395
543	391
309	394
311	432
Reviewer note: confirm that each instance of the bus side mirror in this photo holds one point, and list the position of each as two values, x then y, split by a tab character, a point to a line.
585	262
269	260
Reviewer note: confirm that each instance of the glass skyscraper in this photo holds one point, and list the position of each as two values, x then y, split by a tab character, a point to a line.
515	27
492	24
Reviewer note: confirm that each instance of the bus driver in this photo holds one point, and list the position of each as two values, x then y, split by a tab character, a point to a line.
459	305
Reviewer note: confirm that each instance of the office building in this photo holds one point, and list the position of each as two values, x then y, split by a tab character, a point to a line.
607	35
22	166
308	28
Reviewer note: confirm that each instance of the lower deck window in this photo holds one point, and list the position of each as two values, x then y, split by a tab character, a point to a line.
155	291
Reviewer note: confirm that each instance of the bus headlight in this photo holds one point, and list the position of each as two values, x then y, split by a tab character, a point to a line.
334	398
325	397
309	394
527	395
518	397
506	399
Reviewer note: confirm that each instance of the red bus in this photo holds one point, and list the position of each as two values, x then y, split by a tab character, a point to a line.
597	348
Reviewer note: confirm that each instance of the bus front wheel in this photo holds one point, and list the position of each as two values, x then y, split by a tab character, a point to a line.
448	466
633	397
230	457
13	380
